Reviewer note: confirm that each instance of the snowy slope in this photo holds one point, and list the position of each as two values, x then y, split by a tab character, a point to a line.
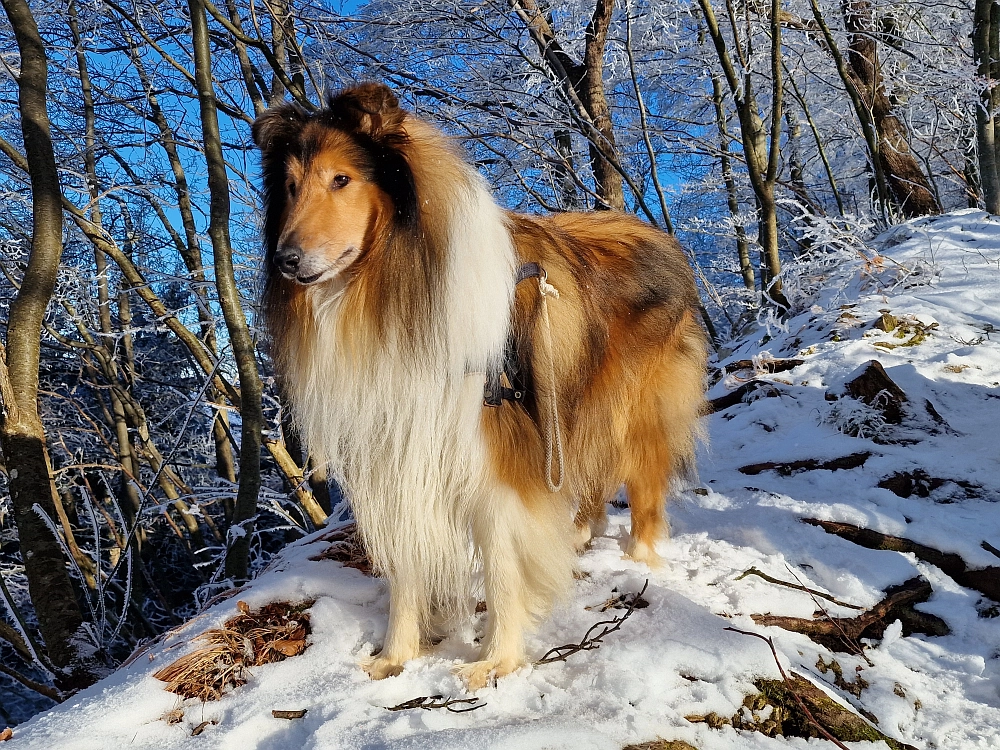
673	658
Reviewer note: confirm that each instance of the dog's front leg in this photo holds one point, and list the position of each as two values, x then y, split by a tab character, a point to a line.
527	561
502	649
402	638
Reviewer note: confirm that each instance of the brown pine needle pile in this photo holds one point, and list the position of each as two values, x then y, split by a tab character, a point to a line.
346	548
252	638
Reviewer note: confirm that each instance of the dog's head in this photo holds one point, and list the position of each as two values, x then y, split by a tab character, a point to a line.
333	181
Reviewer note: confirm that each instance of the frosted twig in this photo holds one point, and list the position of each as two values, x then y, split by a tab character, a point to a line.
797	586
427	702
788	684
589	642
859	650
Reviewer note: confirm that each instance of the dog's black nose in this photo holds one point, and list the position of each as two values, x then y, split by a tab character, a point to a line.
287	259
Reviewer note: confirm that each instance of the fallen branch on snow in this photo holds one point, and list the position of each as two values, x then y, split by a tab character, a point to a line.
984	580
824	715
764	365
837	632
591	642
742	394
853	461
796	586
428	702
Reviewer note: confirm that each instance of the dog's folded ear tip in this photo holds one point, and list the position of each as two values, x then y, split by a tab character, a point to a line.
370	108
278	125
373	97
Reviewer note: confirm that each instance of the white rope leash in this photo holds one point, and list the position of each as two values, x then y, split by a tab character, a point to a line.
553	436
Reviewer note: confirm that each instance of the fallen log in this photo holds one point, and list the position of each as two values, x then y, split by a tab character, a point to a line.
768	390
767	365
788	468
842	633
984	580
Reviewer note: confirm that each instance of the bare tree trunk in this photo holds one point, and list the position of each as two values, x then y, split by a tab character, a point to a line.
317	469
654	171
986	55
280	51
128	496
564	169
820	149
251	389
861	109
796	171
761	157
732	197
246	68
21	430
906	181
194	345
970	172
190	252
583	84
592	94
994	77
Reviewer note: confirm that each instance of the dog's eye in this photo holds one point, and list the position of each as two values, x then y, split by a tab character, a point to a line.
291	188
340	181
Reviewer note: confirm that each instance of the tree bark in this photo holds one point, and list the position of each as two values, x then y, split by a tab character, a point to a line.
732	197
908	185
244	512
761	157
584	83
21	430
986	53
594	98
564	169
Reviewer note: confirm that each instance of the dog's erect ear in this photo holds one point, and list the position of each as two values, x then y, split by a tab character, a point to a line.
370	109
278	127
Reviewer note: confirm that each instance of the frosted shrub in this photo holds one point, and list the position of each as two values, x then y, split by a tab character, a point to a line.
829	266
858	419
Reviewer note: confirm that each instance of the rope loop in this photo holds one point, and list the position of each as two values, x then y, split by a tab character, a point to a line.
553	435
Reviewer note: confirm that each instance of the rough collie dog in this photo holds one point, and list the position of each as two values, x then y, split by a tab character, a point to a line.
396	291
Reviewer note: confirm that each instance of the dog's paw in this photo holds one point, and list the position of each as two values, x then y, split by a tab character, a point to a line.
479	674
642	552
378	668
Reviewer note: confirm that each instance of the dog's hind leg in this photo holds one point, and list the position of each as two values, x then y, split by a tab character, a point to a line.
527	563
647	480
402	638
660	446
646	498
591	518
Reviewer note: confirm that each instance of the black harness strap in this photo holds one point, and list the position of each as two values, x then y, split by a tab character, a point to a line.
527	271
495	392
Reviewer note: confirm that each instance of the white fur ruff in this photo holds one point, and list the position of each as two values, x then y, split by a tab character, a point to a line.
400	430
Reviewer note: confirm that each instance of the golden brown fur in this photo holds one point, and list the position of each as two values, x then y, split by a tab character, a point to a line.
630	360
390	292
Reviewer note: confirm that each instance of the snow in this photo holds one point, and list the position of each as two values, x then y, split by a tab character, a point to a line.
675	658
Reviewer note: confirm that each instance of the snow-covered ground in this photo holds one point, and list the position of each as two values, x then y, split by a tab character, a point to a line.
674	658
